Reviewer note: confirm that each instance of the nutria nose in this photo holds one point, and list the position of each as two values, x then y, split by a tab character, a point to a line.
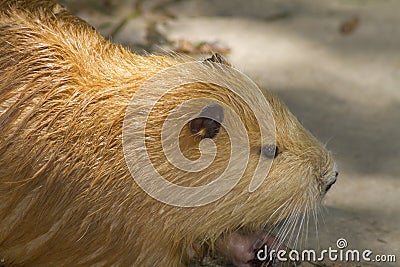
331	181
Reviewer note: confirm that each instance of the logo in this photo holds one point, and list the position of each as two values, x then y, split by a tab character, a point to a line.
150	94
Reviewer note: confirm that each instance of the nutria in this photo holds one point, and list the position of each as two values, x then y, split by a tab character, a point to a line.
70	183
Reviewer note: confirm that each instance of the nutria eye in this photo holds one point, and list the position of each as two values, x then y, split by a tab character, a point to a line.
269	151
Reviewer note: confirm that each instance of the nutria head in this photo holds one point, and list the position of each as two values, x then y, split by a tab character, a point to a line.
235	157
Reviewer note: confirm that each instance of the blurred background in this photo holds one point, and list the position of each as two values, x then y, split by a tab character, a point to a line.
335	63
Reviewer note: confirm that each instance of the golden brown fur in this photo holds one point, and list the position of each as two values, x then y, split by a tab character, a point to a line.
66	195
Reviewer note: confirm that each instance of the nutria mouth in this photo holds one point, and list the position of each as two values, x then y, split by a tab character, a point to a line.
247	249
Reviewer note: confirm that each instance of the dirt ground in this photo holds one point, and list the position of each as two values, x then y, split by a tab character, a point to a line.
335	63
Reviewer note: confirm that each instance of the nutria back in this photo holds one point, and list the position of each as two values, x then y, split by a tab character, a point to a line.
68	195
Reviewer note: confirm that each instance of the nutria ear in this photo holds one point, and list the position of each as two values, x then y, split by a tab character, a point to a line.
217	58
208	122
